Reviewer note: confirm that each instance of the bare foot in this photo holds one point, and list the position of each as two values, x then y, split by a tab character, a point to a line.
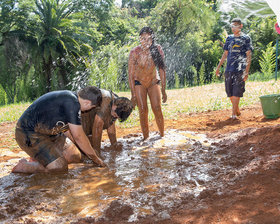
24	166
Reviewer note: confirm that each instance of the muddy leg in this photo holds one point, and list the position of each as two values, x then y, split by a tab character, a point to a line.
155	99
58	165
25	166
71	153
235	108
141	96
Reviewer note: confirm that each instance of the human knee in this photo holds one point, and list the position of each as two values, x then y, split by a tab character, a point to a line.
156	108
71	153
143	111
58	165
74	158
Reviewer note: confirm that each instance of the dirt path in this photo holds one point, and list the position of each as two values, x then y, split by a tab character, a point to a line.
251	143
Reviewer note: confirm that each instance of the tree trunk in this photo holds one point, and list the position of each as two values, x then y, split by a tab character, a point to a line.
48	73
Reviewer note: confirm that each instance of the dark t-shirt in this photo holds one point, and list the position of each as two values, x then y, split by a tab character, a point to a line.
50	112
237	48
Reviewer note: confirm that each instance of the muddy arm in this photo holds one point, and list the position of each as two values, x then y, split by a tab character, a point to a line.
82	141
162	74
112	134
97	129
131	71
248	64
224	56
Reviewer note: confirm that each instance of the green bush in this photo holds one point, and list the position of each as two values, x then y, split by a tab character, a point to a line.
267	61
3	96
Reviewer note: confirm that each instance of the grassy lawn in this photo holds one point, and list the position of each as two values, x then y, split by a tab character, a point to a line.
185	100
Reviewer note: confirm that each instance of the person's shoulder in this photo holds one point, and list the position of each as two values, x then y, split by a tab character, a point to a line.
105	93
136	49
245	36
230	37
106	97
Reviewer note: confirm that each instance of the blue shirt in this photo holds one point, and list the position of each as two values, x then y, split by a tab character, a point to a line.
237	48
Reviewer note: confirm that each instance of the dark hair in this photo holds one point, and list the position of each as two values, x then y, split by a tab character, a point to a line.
157	58
236	20
124	108
91	93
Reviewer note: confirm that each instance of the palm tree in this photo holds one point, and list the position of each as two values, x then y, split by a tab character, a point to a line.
53	38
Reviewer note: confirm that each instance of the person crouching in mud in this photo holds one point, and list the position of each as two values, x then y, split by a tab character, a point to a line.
104	117
42	129
144	60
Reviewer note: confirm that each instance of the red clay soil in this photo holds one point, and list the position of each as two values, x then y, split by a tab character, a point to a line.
254	198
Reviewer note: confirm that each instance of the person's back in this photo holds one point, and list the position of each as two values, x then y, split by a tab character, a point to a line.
42	129
51	111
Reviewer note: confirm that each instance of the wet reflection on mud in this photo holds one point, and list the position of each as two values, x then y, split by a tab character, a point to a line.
151	177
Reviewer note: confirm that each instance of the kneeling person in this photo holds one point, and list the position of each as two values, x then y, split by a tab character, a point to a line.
104	117
42	129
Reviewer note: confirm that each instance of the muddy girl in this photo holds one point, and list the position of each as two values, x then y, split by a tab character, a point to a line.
146	70
104	117
43	128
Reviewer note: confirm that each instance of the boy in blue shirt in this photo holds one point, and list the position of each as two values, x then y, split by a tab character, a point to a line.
238	52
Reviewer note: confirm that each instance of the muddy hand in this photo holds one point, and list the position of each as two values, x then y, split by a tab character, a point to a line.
133	100
164	97
218	72
117	146
100	162
97	160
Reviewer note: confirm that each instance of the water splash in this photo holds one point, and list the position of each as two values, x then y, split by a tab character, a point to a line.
246	8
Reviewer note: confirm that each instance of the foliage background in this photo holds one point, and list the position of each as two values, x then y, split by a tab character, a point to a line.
49	45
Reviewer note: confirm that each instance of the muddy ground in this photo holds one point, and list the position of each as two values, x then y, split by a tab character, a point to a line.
242	186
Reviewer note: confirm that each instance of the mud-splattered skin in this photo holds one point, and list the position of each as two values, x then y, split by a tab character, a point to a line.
98	119
143	81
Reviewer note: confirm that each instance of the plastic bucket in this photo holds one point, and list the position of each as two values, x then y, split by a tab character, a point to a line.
271	105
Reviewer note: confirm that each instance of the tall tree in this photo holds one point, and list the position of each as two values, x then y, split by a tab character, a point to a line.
14	60
52	38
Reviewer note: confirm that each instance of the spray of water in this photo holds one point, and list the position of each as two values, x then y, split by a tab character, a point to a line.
246	8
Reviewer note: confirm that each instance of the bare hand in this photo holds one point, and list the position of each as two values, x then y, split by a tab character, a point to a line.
164	97
97	160
101	163
134	101
245	76
217	72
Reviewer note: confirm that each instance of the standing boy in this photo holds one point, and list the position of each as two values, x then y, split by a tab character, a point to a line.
238	51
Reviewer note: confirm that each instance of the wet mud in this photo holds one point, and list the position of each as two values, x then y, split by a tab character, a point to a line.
184	177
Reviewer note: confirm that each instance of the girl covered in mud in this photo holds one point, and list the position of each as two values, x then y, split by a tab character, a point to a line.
146	70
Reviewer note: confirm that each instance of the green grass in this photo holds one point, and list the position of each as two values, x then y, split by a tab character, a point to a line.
12	112
185	100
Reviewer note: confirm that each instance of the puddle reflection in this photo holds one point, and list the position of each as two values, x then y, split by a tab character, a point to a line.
156	174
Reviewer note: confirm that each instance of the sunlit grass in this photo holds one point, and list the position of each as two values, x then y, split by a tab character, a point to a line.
185	100
12	112
204	98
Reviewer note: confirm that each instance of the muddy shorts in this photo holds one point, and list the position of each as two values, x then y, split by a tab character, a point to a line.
44	148
234	83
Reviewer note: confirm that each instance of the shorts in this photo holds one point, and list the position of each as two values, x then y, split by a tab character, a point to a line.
234	83
44	148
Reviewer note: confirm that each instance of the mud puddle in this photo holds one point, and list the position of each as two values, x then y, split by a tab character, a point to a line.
143	179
